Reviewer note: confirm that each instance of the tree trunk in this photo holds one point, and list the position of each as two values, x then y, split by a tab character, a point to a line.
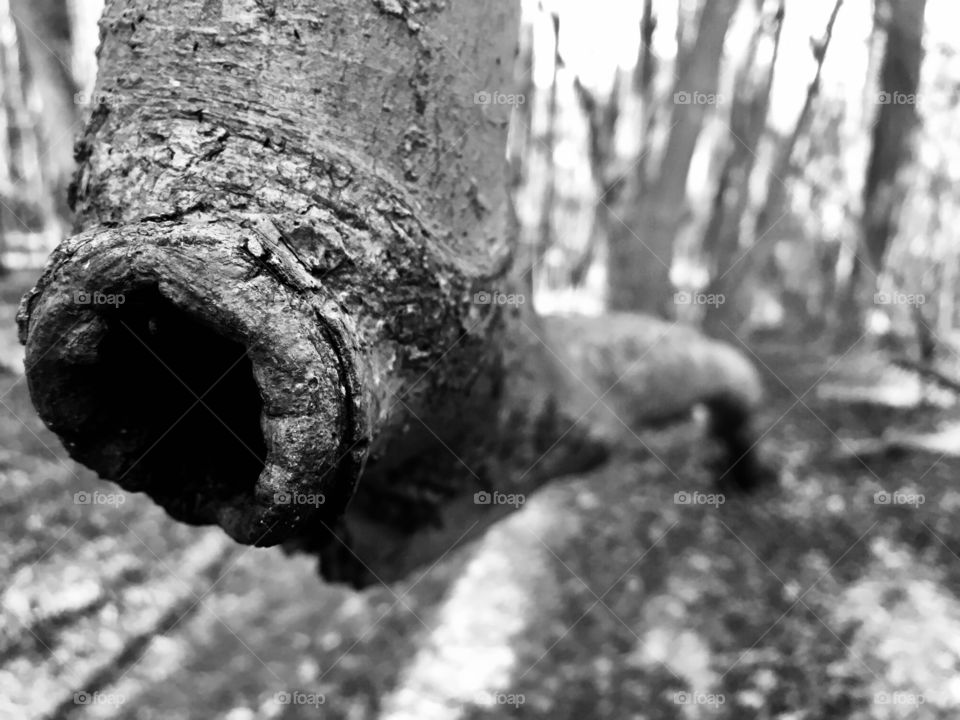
772	210
293	264
548	143
260	157
884	190
37	117
893	130
653	209
601	115
748	119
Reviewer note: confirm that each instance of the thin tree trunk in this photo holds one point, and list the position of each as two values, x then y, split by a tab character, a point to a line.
545	224
602	115
772	210
940	186
644	229
893	130
748	117
884	190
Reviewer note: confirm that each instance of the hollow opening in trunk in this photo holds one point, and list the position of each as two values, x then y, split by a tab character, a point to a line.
177	405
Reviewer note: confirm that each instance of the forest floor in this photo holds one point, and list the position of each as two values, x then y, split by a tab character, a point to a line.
604	597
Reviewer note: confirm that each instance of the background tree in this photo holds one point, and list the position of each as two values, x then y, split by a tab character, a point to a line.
902	23
753	78
38	113
652	209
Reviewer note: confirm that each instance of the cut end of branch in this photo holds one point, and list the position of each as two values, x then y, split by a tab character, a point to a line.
183	368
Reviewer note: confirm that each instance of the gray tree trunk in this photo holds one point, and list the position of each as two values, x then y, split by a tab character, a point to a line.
643	232
293	266
760	240
748	119
893	130
884	189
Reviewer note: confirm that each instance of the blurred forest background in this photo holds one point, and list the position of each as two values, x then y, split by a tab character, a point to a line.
782	173
749	165
779	166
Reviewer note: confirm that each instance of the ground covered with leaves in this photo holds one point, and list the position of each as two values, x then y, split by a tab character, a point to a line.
632	592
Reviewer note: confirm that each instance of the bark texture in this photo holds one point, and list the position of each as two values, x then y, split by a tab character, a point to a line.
296	224
293	266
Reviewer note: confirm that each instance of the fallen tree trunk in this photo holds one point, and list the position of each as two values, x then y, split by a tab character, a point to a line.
293	266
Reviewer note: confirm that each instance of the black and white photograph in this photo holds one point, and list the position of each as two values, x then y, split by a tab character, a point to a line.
479	359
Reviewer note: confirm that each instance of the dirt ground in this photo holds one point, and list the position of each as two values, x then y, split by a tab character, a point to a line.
606	596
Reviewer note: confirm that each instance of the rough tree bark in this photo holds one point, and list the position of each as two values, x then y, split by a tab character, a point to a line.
292	258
